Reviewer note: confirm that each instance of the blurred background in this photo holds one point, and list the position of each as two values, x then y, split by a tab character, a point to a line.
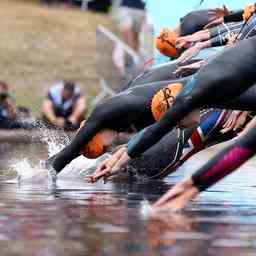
45	41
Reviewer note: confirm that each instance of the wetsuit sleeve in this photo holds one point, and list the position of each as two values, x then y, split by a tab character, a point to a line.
146	138
218	40
234	16
152	134
226	162
113	114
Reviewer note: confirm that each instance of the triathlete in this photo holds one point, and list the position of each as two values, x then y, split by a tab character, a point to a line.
223	79
132	110
223	164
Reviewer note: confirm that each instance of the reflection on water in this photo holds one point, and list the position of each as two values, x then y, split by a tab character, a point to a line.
106	219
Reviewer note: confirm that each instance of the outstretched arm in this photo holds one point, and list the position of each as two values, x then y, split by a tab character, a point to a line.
215	170
184	41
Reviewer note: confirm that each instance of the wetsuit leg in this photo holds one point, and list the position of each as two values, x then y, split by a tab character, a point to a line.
224	78
226	161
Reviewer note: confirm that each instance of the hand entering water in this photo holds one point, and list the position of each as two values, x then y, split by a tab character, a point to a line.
177	197
110	166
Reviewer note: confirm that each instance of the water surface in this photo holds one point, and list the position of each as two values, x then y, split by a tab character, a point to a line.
108	219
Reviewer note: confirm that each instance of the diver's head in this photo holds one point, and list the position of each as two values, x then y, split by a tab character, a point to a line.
101	143
3	87
163	101
166	43
68	90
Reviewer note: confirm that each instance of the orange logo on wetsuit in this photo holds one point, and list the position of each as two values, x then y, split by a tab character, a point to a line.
164	99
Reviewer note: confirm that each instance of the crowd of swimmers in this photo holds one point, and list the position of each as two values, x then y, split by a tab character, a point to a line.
202	97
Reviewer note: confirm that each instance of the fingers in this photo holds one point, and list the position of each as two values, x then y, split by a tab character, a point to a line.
120	163
178	202
210	24
180	45
171	194
184	57
109	166
213	23
104	173
102	168
188	54
241	120
181	71
233	122
226	10
229	122
184	42
228	126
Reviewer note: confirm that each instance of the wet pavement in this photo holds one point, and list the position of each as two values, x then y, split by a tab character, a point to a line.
108	219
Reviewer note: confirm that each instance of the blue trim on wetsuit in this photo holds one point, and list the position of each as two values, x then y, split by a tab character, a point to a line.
189	86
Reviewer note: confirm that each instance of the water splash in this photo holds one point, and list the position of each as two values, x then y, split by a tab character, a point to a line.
81	167
55	140
145	209
27	173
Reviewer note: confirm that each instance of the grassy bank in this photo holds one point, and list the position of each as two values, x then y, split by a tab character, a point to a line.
40	45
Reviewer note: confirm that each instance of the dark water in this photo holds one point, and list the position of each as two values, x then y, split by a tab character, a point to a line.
107	219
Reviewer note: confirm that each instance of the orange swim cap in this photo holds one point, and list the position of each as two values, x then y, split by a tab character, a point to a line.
249	11
166	43
164	99
95	147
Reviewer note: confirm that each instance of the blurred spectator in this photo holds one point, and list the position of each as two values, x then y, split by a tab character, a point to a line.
64	106
99	5
7	106
131	15
8	111
95	5
49	2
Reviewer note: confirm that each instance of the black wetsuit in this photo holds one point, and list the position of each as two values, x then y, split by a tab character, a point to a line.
127	111
220	34
249	28
178	145
138	4
223	79
194	22
163	72
234	16
226	161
